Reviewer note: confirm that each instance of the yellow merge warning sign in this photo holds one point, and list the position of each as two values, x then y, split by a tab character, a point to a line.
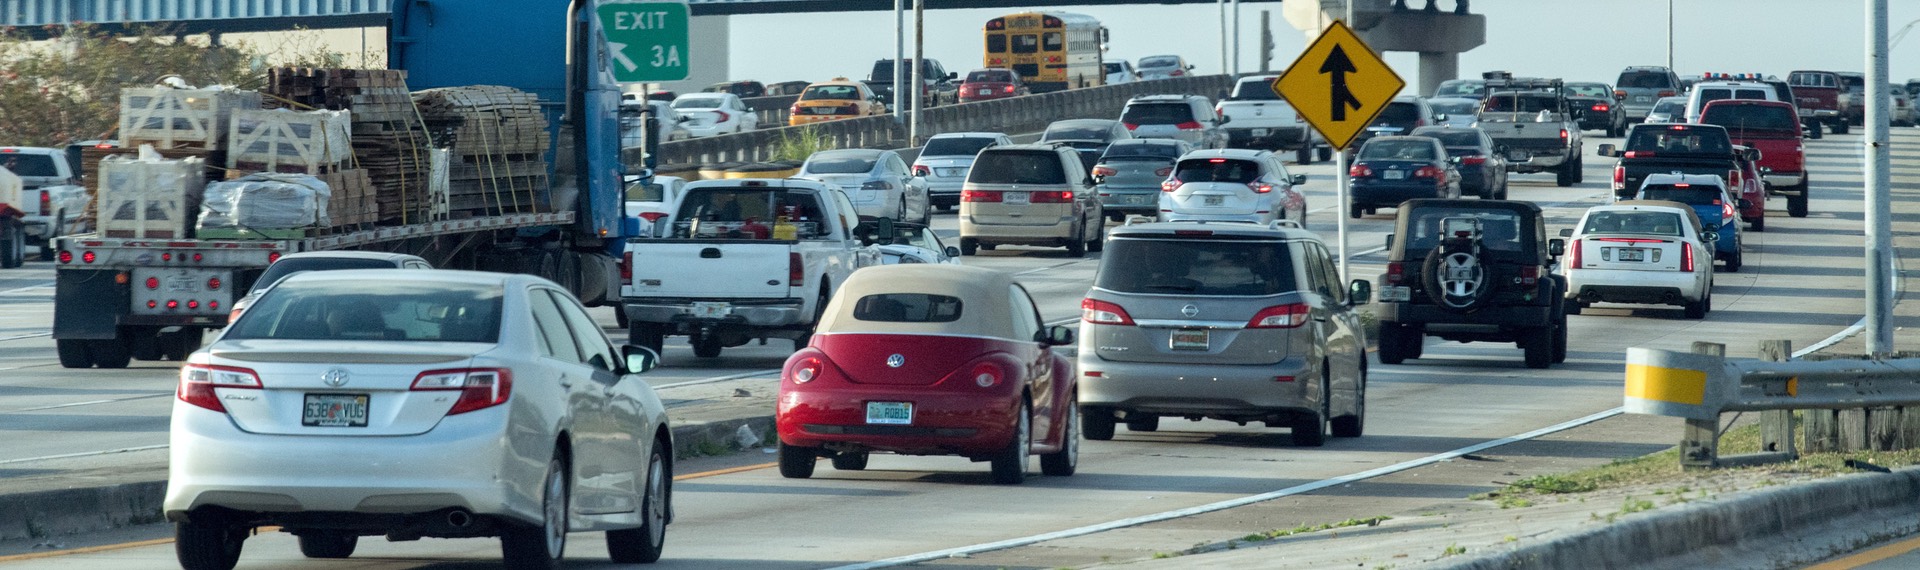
1338	85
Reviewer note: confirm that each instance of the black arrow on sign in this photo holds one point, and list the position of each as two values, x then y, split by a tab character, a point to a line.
1339	66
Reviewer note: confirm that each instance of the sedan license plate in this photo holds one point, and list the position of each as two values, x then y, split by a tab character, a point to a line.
951	172
1394	175
986	92
334	410
1216	200
890	413
704	310
1016	198
1643	99
1190	339
1632	254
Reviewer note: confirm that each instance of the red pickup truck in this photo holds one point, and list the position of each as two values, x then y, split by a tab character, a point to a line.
1822	98
1771	128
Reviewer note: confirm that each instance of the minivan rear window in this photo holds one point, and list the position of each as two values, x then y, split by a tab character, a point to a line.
907	308
1029	167
1399	113
1217	170
1196	267
1157	114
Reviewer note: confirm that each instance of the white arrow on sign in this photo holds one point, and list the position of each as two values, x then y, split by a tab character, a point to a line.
620	55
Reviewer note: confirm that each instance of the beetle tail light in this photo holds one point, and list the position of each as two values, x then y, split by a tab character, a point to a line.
1104	313
987	374
198	382
480	388
805	370
1286	316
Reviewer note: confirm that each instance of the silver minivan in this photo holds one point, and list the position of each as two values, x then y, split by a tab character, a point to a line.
1228	321
1187	118
1030	194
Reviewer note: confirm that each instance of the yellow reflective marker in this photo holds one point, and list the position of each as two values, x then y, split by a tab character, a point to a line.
1676	385
1338	85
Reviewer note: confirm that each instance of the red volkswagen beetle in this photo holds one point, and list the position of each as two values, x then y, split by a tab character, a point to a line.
928	359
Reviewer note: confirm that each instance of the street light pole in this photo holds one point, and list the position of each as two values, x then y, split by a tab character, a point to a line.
1340	185
919	69
899	51
1879	204
1236	38
1223	35
1669	34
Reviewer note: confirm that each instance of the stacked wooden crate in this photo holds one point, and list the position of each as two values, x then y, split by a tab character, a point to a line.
169	118
290	142
388	140
149	198
498	142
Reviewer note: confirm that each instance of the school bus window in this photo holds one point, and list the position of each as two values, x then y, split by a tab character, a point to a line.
1026	43
996	43
1054	41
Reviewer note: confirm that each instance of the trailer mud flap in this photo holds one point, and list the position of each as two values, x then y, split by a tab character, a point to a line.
88	304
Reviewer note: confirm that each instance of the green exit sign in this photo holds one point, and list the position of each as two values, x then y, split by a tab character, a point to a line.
647	41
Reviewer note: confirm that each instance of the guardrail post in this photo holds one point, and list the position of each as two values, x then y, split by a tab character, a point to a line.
1776	426
1700	440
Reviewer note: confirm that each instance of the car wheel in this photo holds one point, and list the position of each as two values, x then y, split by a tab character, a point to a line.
73	353
643	545
706	346
1734	261
1143	422
1697	309
207	543
1814	132
1010	464
797	462
1564	176
1537	345
1324	153
1064	462
1076	246
327	544
1579	169
110	353
1797	203
1303	156
1840	127
1576	307
1097	423
648	335
1311	430
145	344
541	545
988	246
968	246
1356	211
620	317
850	460
1356	424
13	249
1099	242
59	229
1392	343
1560	340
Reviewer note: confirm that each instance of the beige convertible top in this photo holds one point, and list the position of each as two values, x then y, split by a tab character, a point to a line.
986	304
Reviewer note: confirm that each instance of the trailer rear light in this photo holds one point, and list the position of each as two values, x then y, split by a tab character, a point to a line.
979	196
215	305
1189	126
213	283
805	370
1051	197
626	268
166	256
1396	272
1360	171
1286	316
172	304
66	257
196	257
193	304
1574	260
796	270
272	257
87	257
198	381
480	388
153	283
1104	313
153	304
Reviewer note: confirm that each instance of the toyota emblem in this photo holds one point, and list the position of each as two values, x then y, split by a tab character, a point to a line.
896	361
336	377
1190	311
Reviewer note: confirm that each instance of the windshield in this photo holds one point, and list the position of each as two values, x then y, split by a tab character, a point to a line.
1453	138
1157	114
1589	90
29	164
1455	108
1679	139
1499	229
843	92
1217	170
1143	150
646	192
1254	90
380	310
1094	133
956	146
1740	118
1633	222
1195	267
1689	195
993	76
1645	80
745	213
1111	67
841	164
697	103
1160	61
1517	103
1399	114
1460	88
283	268
1670	106
1026	167
1398	149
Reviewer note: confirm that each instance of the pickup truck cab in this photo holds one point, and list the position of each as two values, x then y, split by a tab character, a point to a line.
744	259
51	202
1533	116
1257	118
1771	128
1821	98
1670	148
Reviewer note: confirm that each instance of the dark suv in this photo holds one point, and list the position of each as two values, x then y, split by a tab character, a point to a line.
938	86
1472	271
1231	321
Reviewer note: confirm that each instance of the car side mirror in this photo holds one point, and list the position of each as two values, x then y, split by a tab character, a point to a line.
1440	117
1765	170
1453	160
1297	179
1056	336
640	359
1710	237
1225	120
1360	292
1566	232
1610	151
952	251
1189	67
952	75
1556	247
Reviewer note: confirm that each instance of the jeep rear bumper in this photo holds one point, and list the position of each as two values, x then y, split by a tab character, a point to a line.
1496	320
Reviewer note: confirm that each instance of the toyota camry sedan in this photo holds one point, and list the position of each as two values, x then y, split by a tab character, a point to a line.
410	404
928	359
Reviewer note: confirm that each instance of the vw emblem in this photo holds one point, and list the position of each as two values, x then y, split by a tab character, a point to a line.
336	377
1190	311
896	361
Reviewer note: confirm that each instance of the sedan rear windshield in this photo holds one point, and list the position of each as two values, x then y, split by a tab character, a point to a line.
1690	195
1196	267
280	270
1750	117
1406	114
697	103
376	310
1017	168
29	164
1157	114
1217	170
1099	133
841	165
1160	61
1397	150
990	76
907	308
956	146
1633	222
1142	150
831	92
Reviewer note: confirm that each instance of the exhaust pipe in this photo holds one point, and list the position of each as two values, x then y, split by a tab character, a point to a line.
459	518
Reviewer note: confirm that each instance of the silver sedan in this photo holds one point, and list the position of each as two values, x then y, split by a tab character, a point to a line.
877	181
410	404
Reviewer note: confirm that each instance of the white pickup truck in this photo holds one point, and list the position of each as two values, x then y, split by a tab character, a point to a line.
51	202
742	260
1257	118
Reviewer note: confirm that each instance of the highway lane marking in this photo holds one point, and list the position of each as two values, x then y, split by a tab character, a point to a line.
727	471
86	550
1230	503
740	376
87	403
83	454
29	288
1870	556
27	336
1050	267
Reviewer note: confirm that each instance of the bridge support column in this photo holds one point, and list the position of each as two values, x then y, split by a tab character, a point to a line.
1437	66
1438	36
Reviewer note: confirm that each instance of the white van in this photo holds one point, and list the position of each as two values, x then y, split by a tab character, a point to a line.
1708	91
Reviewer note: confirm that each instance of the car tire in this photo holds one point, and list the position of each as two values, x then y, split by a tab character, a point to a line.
327	544
1097	423
797	462
850	460
706	347
1356	424
1576	307
179	344
207	543
1393	343
110	353
1143	422
969	247
1064	462
1560	340
1815	132
1076	247
620	317
1009	466
1797	203
1759	224
146	345
1735	261
73	353
1356	211
1324	153
1564	176
13	245
1099	242
988	246
1537	345
1311	430
645	544
1304	156
1579	168
1840	127
541	546
59	229
648	335
1697	310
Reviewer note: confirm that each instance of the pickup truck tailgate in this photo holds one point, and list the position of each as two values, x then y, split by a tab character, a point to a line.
733	269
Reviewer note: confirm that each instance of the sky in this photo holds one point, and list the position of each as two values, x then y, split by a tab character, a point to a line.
1589	40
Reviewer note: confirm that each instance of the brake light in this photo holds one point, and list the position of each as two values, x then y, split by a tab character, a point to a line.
723	116
193	304
1178	72
480	388
1620	93
1427	172
1104	313
213	283
1360	171
1260	187
1665	93
1396	272
794	110
1619	177
1170	185
979	196
1219	111
1473	160
271	257
1163	172
1104	170
46	203
796	270
66	257
805	370
1189	126
1574	260
1130	126
1733	178
652	217
1726	210
1639	154
1601	107
986	374
922	170
626	268
1529	275
1279	317
87	257
153	283
1009	89
172	304
1686	257
1563	133
1051	197
198	381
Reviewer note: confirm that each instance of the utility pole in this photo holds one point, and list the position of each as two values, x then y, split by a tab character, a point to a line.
1223	35
899	52
1879	197
1236	38
919	69
1669	34
1342	180
1266	42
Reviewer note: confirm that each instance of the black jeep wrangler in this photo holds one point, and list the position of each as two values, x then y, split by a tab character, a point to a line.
1472	271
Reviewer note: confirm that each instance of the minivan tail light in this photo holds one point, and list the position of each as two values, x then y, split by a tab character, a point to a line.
1189	126
796	270
1130	126
198	381
1104	313
979	196
1260	187
1051	197
1279	317
480	388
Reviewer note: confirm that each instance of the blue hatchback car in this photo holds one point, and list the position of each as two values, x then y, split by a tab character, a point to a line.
1708	195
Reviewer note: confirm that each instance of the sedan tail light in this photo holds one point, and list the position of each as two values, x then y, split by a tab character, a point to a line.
979	196
1665	93
1130	126
922	170
1360	171
1686	257
1104	313
1619	93
876	185
1104	170
1563	134
198	381
1573	261
480	388
1009	89
1286	316
723	117
1163	172
1473	160
1428	172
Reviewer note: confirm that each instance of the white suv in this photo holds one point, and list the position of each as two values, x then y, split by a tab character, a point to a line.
1232	185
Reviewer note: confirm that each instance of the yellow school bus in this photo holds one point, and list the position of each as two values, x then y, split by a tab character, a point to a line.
1050	50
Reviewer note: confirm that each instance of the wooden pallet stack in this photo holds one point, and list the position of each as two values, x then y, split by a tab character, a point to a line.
389	141
353	200
90	158
497	139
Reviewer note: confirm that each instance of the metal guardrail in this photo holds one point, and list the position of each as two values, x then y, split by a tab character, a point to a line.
1032	112
1701	385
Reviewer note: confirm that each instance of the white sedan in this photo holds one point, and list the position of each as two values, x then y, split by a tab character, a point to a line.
877	181
709	114
1640	251
408	404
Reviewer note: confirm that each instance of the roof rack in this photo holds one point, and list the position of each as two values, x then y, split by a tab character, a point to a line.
1277	224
